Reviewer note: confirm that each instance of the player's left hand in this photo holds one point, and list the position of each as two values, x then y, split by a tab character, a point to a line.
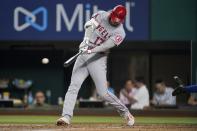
84	43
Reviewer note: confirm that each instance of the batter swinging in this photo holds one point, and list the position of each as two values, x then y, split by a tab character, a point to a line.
102	32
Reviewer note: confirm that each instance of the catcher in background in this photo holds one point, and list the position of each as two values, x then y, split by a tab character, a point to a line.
181	88
102	32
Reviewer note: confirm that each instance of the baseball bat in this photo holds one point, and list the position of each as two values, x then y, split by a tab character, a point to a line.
72	59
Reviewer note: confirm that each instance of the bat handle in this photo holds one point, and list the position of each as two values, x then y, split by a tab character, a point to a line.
72	59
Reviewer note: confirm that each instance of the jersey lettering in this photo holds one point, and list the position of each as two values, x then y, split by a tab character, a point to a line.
102	31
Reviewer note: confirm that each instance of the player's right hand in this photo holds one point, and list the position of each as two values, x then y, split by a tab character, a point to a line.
83	49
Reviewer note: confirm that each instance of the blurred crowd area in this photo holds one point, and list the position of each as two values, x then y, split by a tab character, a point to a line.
150	65
17	93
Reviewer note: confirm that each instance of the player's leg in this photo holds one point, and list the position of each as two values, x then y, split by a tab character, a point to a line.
97	70
185	89
79	74
190	88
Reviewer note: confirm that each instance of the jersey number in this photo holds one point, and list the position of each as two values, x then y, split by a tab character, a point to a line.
99	41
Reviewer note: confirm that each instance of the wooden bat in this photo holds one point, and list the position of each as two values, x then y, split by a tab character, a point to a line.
72	59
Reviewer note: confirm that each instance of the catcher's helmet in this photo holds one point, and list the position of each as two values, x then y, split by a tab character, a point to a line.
118	14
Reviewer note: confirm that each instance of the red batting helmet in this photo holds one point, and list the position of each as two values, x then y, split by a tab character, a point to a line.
118	14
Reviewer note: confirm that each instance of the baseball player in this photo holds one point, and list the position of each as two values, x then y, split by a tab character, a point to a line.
102	32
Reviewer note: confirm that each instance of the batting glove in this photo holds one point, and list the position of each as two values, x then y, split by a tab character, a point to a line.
84	49
89	51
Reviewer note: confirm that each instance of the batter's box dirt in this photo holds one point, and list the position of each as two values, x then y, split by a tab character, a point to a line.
95	127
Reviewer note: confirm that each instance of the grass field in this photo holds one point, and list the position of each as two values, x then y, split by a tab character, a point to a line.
95	119
96	123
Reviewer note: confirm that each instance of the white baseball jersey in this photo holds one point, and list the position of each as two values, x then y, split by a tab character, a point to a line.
104	30
165	98
94	64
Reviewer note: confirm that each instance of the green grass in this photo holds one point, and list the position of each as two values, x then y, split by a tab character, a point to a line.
94	119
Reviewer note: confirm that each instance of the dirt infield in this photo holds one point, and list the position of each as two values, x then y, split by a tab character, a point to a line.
95	127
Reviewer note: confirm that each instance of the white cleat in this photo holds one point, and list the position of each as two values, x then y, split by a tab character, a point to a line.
130	120
63	122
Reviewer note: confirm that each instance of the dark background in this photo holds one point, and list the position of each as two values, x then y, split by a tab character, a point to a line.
152	60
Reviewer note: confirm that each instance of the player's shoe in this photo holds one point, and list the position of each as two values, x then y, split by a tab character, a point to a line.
130	120
63	122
